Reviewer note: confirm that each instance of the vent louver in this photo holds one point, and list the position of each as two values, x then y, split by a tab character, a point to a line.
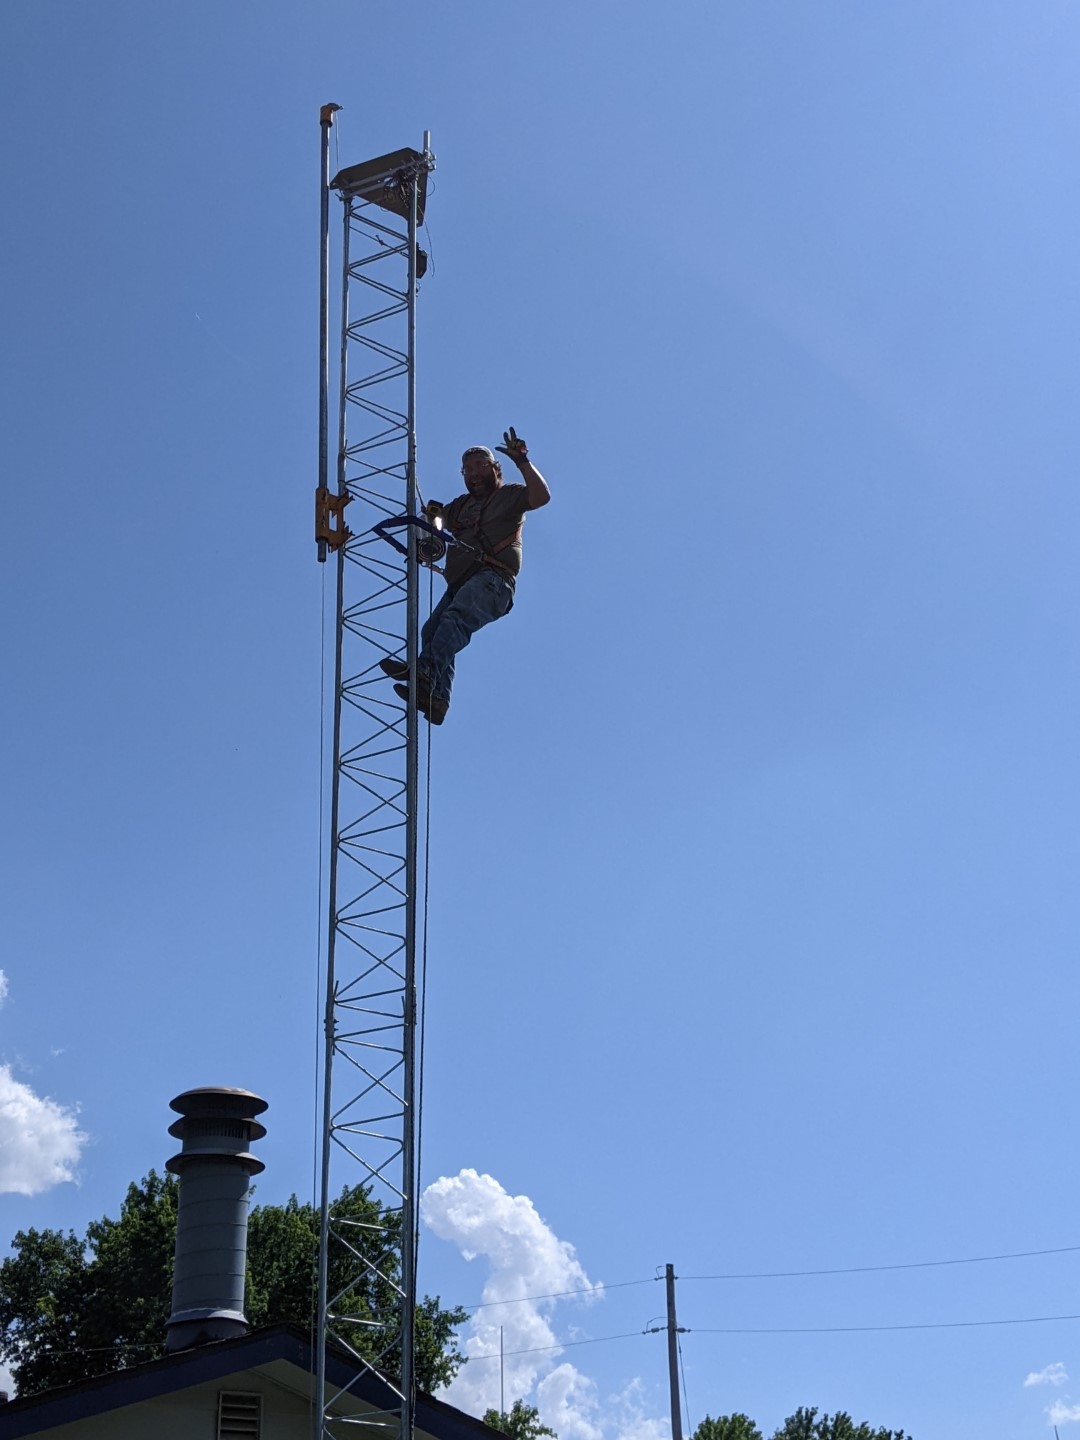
239	1416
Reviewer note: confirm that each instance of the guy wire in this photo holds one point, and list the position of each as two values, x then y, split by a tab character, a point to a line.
687	1427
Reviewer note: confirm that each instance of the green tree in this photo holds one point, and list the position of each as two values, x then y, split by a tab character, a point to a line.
727	1427
43	1309
806	1425
521	1422
282	1280
129	1277
71	1308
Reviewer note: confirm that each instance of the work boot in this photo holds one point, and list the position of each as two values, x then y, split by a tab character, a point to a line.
433	706
396	669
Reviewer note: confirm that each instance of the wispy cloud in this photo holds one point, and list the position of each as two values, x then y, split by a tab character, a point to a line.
568	1404
40	1140
526	1259
3	987
1054	1374
1059	1413
631	1417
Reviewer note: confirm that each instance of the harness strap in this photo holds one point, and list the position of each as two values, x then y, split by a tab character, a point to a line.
510	540
488	558
487	552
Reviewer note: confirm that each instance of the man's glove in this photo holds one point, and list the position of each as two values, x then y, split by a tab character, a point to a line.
516	449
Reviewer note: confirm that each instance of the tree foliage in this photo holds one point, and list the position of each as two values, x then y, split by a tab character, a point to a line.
727	1427
807	1425
803	1425
521	1422
71	1308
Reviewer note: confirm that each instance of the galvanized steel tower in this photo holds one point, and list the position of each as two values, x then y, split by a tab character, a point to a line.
370	1116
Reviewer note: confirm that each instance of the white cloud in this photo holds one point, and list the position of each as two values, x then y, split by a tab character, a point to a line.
526	1259
567	1404
40	1141
1054	1374
630	1417
1059	1412
3	987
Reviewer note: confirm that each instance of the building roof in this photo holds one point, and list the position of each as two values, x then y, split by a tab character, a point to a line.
279	1352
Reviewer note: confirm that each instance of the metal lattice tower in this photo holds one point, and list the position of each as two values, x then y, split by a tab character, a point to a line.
370	1120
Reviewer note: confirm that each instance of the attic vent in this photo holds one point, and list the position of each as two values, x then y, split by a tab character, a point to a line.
239	1416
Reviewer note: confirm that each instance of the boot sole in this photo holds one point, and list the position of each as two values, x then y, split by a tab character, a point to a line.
423	704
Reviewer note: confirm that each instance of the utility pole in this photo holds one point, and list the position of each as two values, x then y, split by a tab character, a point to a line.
673	1356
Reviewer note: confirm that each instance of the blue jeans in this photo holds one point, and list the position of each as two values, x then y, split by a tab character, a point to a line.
476	602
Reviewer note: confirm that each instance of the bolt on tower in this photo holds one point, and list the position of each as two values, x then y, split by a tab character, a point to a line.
370	1118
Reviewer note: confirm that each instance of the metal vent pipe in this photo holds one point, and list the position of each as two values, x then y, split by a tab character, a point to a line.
215	1167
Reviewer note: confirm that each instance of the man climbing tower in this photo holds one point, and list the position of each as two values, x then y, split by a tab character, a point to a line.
481	569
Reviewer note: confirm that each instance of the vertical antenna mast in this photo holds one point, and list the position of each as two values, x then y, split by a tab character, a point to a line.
367	1262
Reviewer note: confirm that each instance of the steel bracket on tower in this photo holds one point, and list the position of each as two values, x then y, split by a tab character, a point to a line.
328	508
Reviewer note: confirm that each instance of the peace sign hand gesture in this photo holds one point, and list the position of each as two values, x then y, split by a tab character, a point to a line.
513	447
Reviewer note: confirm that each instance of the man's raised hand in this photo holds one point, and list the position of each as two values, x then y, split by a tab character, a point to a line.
512	446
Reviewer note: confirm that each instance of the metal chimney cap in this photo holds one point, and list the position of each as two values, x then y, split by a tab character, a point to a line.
229	1100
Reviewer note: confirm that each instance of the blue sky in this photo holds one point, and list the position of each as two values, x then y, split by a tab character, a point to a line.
754	914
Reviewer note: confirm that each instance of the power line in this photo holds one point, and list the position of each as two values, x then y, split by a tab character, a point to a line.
597	1289
561	1345
783	1274
791	1330
866	1269
686	1329
858	1329
685	1397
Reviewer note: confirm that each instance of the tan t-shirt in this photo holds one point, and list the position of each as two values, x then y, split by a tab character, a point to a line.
484	524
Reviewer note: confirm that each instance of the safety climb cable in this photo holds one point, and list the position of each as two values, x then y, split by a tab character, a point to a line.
423	965
319	884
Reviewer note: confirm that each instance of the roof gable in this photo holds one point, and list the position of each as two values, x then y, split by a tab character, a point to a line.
278	1354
